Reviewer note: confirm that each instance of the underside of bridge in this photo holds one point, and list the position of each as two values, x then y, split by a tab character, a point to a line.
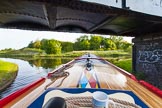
76	16
90	17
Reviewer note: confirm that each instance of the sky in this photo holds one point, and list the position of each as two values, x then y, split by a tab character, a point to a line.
17	39
153	7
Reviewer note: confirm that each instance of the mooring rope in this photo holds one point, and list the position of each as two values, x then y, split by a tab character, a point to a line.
60	73
57	76
77	102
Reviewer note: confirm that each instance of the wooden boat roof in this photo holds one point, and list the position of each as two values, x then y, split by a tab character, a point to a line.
107	76
76	16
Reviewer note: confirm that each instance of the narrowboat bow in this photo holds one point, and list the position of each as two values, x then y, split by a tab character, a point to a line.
75	82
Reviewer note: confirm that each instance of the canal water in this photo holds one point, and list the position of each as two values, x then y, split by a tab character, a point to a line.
31	70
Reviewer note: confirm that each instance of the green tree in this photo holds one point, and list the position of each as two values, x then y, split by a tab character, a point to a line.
82	43
43	43
82	38
37	44
67	46
85	45
125	45
30	45
95	42
52	46
129	49
108	44
76	46
117	40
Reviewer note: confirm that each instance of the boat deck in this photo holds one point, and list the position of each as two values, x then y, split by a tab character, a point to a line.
101	74
107	77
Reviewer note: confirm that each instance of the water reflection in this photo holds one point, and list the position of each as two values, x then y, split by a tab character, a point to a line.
46	63
31	70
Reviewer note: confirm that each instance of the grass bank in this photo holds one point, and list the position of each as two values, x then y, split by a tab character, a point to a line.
8	72
125	64
30	52
25	52
110	54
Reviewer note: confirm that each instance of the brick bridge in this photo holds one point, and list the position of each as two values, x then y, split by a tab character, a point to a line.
135	18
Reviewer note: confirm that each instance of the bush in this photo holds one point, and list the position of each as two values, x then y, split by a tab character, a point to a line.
124	64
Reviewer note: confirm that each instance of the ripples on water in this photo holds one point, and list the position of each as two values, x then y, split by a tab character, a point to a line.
28	72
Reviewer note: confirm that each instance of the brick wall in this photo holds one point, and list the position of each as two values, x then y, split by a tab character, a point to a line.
147	58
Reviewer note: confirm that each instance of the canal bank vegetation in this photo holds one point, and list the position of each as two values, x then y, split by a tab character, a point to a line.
114	54
125	64
112	48
24	52
8	72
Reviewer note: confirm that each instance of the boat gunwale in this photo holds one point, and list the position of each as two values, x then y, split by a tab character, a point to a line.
13	96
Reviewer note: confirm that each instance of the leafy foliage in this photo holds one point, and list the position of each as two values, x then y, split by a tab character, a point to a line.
108	44
96	42
36	44
117	40
67	46
82	43
124	64
52	46
49	46
93	42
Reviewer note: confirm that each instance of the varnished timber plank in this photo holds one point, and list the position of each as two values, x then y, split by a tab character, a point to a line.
108	76
147	96
74	76
102	82
28	99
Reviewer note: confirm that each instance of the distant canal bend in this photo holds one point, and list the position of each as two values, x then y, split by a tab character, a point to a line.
31	70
